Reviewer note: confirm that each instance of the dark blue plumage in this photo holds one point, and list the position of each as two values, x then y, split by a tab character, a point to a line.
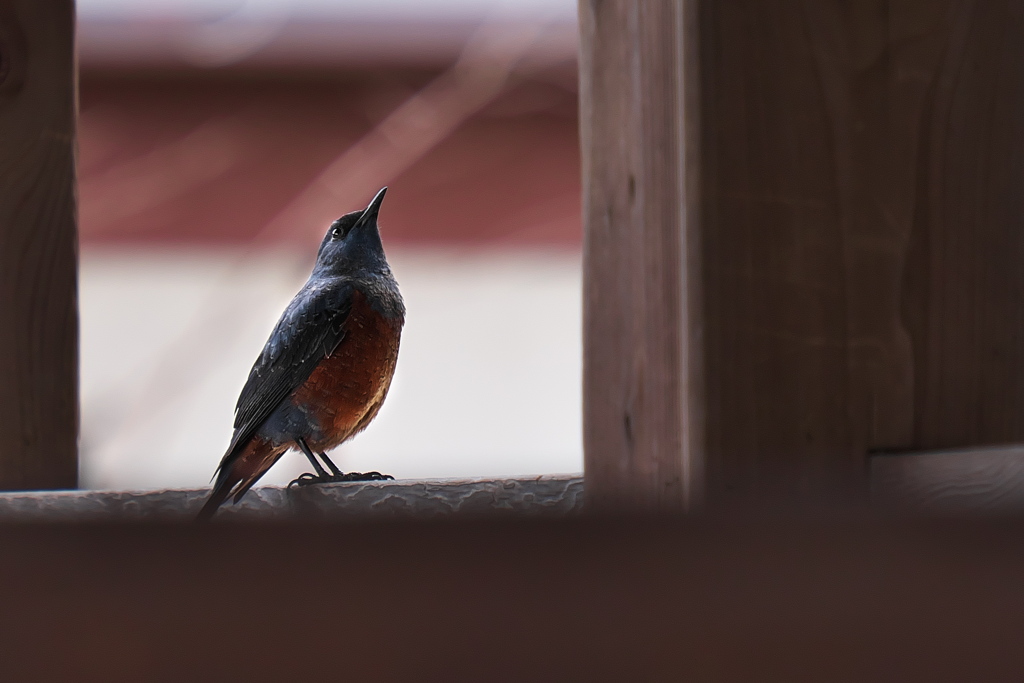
327	365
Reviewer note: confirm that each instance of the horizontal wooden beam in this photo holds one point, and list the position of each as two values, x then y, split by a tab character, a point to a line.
794	599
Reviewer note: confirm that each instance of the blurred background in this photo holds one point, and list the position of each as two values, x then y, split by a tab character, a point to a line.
219	138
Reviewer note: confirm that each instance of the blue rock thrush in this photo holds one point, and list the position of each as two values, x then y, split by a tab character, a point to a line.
327	366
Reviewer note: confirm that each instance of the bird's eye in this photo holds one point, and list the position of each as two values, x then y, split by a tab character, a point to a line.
341	228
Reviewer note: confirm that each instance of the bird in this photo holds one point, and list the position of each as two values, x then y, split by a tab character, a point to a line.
326	368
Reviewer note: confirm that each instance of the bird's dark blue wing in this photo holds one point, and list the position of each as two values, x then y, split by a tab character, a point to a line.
309	330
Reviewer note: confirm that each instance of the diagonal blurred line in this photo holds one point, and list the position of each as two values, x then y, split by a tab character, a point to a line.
492	56
166	172
418	125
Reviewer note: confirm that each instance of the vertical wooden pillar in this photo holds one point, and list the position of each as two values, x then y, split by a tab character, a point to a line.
642	396
859	279
38	246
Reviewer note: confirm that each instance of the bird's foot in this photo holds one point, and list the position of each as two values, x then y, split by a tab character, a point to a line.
309	478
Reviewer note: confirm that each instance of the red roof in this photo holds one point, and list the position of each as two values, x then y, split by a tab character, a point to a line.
235	157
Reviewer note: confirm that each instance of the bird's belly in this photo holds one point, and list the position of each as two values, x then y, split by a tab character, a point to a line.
345	391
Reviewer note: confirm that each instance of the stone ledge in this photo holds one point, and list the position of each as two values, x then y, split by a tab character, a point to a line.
544	495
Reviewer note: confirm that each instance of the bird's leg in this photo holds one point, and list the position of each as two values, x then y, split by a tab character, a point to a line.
322	475
321	472
335	475
330	465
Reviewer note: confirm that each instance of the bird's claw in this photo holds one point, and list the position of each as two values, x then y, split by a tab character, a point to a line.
309	478
305	480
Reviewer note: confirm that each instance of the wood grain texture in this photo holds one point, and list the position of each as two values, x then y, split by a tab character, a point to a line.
38	248
973	481
863	211
812	173
640	392
965	267
851	253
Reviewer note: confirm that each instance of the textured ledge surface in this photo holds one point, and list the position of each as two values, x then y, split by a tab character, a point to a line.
970	480
546	495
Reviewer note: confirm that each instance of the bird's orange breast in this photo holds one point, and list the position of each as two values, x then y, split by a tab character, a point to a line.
346	389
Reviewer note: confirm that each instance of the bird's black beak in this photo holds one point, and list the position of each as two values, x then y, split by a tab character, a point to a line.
369	216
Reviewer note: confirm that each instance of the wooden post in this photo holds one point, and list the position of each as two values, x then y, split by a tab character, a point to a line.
38	245
859	280
642	397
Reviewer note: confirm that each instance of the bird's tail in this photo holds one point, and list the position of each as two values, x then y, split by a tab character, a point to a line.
239	471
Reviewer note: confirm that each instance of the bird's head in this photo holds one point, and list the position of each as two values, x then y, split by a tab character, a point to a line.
352	244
